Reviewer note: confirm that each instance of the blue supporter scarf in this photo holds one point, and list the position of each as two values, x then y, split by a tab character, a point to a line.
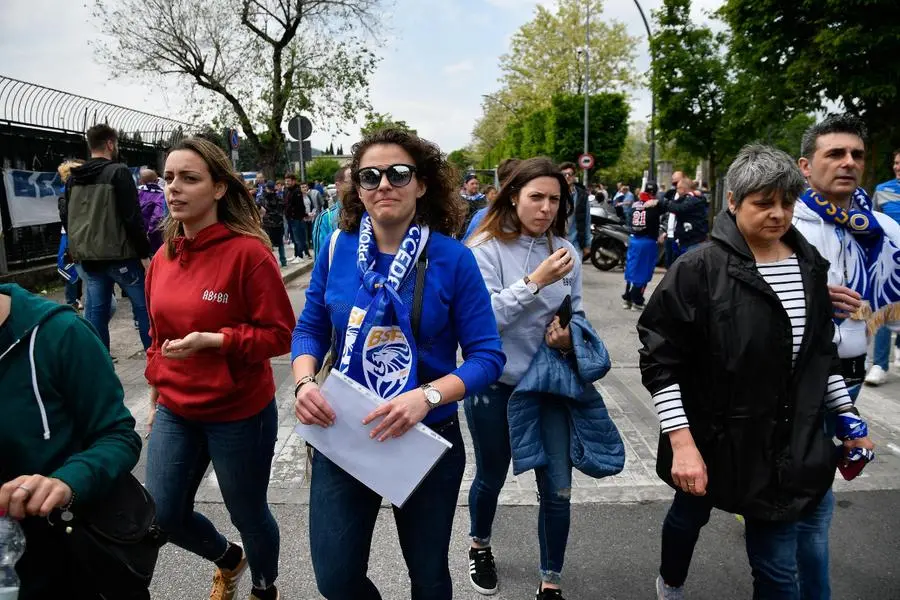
874	258
386	360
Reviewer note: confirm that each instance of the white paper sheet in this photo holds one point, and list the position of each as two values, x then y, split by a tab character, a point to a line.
393	468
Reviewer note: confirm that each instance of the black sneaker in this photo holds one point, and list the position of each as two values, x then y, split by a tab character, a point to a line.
482	571
548	594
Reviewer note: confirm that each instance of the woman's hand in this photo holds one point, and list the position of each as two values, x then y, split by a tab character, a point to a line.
33	496
189	345
688	468
557	337
845	300
400	415
864	443
311	408
555	267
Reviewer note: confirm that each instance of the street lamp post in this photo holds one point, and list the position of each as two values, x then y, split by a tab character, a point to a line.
652	175
587	79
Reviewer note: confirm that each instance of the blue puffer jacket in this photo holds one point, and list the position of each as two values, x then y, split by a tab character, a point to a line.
596	449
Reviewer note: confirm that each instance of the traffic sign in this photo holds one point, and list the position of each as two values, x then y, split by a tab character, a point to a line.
300	128
586	161
233	139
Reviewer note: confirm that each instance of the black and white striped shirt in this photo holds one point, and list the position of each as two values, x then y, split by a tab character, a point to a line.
786	281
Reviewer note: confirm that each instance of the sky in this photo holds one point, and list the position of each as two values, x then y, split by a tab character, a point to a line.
440	58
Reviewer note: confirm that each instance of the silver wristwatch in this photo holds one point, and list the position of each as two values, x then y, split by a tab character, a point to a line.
531	286
433	396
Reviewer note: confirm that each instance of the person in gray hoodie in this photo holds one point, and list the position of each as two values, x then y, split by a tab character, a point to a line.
530	268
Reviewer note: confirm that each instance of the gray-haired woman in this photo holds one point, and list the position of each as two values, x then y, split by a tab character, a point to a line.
738	355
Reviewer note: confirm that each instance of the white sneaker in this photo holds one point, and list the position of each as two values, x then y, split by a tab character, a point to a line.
667	592
295	260
876	376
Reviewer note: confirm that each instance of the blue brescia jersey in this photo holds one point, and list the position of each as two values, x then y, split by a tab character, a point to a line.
887	198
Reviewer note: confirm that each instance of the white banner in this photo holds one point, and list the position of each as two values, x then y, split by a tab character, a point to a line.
32	196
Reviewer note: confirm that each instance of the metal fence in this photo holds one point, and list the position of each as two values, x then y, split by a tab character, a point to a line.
40	127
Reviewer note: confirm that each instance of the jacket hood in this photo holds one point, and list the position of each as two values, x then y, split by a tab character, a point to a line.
28	310
27	313
725	231
89	171
804	213
213	235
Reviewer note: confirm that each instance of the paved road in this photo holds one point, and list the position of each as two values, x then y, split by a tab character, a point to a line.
616	521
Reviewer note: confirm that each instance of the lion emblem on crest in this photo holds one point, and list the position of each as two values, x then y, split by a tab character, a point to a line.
387	361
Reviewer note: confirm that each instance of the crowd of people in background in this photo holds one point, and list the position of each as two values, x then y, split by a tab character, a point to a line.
752	346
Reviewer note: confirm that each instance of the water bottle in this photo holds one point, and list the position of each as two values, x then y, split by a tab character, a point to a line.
12	546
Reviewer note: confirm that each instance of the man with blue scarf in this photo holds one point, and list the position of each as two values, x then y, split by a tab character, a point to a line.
887	200
863	249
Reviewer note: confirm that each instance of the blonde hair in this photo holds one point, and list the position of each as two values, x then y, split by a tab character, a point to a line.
236	209
65	169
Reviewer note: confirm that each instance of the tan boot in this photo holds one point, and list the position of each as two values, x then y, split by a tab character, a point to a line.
225	581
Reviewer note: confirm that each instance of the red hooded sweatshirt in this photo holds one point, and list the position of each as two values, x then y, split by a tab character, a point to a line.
219	282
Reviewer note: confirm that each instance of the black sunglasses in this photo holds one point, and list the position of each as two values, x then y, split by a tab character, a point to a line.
369	178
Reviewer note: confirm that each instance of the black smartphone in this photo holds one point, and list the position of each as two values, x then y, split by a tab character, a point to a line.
565	312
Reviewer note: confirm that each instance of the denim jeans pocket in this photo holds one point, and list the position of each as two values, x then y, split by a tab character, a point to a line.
127	274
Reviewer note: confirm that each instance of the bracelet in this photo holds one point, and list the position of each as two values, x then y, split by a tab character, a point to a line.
303	381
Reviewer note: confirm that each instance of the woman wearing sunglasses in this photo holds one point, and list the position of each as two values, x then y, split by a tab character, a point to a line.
401	208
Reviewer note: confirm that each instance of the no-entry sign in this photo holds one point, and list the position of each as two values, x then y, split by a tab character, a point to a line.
586	161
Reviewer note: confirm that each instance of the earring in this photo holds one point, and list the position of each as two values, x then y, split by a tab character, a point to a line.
513	203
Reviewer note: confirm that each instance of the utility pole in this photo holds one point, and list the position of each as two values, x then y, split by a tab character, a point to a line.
587	78
652	171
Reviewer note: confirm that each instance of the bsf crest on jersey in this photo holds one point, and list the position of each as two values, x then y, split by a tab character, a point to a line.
387	361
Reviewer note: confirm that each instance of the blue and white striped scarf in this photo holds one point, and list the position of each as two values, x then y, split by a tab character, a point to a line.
386	360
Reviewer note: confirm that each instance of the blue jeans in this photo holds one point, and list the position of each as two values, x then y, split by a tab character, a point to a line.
488	424
881	351
276	236
298	233
98	289
73	292
672	251
241	452
788	560
342	513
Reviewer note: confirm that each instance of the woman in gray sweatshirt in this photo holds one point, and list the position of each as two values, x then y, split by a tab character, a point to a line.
529	267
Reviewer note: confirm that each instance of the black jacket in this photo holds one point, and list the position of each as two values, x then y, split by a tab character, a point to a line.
718	330
691	214
578	201
294	208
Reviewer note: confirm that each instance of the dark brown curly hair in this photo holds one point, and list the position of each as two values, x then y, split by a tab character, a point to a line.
441	207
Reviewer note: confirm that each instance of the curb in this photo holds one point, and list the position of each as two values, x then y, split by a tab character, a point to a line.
291	275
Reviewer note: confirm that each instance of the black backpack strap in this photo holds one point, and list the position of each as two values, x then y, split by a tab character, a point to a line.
419	292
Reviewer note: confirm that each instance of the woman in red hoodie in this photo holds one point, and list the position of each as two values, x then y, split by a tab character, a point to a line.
218	312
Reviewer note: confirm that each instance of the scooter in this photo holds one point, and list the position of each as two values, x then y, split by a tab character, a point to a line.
610	239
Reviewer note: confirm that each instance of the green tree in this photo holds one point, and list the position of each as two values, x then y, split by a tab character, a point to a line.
256	61
633	160
378	121
544	58
461	159
813	55
322	169
690	82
